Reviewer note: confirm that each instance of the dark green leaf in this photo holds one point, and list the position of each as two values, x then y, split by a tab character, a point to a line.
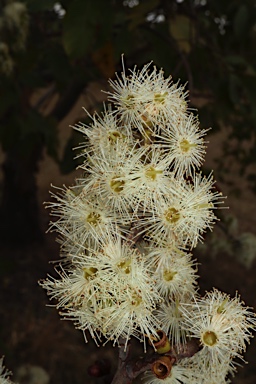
138	14
236	60
38	5
87	25
68	163
241	20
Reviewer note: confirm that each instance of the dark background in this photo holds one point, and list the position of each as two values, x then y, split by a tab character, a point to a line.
54	59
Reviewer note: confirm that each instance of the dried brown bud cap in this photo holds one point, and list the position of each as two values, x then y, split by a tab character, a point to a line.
163	345
162	367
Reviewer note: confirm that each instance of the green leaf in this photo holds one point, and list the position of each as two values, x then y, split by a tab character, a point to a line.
137	15
35	128
241	21
236	60
87	25
240	63
39	6
182	30
68	163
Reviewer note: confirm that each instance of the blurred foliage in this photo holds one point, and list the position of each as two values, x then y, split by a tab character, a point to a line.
229	239
62	46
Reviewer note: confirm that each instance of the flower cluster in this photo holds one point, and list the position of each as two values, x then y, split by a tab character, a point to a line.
128	225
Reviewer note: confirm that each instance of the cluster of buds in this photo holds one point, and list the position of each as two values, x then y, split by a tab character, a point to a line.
128	226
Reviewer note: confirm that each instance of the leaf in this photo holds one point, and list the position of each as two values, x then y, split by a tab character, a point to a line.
137	15
33	129
77	32
39	6
236	60
182	30
240	63
241	22
68	163
86	26
104	59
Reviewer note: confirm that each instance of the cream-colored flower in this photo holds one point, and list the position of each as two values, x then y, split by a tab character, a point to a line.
181	373
128	223
170	318
84	218
104	132
176	278
146	99
4	373
184	144
222	325
184	214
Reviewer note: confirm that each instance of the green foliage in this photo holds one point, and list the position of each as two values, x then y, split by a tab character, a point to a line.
67	163
87	25
40	6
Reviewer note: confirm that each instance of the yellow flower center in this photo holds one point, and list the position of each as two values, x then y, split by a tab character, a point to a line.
185	145
151	173
210	338
125	266
160	97
169	275
172	215
89	272
113	136
93	218
129	101
117	185
136	299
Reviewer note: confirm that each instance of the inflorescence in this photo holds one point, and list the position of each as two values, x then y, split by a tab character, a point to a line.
129	224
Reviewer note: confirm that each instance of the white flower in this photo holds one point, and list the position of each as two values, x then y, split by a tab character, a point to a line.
4	373
84	218
170	318
165	102
181	373
184	215
231	311
212	373
131	315
126	228
129	93
184	144
146	99
134	297
222	325
79	293
150	179
108	291
176	278
109	175
104	132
